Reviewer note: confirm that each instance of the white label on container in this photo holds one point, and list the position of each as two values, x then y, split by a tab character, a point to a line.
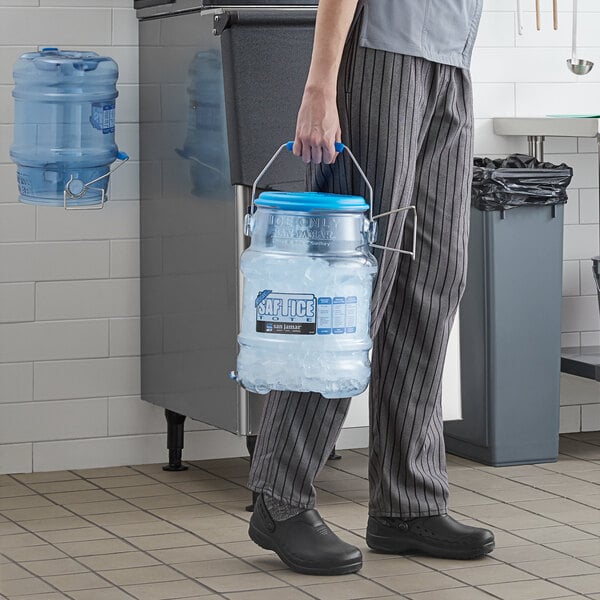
103	117
285	313
351	305
339	315
324	316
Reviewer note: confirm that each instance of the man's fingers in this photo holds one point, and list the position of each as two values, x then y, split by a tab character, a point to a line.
317	154
297	148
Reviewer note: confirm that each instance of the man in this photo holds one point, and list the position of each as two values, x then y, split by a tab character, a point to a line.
389	78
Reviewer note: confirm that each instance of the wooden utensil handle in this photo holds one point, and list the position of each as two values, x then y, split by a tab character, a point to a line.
555	13
538	21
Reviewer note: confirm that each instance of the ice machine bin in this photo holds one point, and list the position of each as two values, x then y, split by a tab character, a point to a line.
219	90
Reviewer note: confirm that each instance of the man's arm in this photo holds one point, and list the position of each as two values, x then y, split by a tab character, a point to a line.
318	126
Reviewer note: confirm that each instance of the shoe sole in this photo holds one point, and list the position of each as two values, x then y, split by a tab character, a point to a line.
385	545
264	541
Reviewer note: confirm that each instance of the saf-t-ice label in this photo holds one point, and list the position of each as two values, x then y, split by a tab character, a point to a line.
286	313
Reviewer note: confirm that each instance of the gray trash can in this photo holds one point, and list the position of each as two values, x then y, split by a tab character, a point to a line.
510	314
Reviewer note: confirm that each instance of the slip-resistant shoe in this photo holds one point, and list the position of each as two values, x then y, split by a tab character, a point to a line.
439	536
304	542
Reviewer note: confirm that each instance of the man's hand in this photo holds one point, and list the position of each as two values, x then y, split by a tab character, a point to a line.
318	124
318	127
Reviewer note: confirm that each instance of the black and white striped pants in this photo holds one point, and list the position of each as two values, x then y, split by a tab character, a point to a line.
409	122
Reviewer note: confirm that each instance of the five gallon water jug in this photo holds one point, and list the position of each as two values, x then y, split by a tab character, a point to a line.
64	137
308	277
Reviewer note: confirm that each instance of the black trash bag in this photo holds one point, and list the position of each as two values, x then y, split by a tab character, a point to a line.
518	180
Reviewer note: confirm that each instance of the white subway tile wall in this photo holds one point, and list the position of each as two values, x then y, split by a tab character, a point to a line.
69	304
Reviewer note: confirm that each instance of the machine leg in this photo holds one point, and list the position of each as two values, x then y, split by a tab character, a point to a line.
175	423
250	445
334	455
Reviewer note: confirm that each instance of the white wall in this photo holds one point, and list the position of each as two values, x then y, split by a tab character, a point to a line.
527	76
69	306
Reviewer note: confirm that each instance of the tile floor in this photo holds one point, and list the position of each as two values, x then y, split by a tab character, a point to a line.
139	532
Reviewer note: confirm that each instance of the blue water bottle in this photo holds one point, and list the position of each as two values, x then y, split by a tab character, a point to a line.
64	133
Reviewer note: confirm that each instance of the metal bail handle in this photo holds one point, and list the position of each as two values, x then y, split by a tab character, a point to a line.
76	189
372	231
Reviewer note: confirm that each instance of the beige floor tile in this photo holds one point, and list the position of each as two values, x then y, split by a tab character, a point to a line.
593	528
83	534
562	509
135	529
95	547
560	567
584	584
28	553
8	528
45	477
140	575
120	560
189	554
240	494
518	492
349	590
173	589
534	589
41	512
167	501
18	540
15	490
559	533
197	511
55	524
11	571
72	485
29	514
491	574
594	560
462	593
520	554
266	562
31	585
142	491
109	593
567	464
244	549
236	508
131	480
419	582
105	472
78	581
166	540
204	485
43	596
299	580
578	548
395	566
94	495
287	593
242	582
98	508
505	539
23	502
123	518
58	566
227	534
445	564
215	568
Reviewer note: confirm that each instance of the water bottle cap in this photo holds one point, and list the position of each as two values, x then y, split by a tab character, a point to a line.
312	201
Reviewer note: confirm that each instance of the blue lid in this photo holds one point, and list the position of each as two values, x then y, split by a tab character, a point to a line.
312	201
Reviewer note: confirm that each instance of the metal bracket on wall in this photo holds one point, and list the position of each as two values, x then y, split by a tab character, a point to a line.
221	22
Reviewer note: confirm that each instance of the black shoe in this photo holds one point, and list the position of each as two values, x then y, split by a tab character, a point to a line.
439	536
304	542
